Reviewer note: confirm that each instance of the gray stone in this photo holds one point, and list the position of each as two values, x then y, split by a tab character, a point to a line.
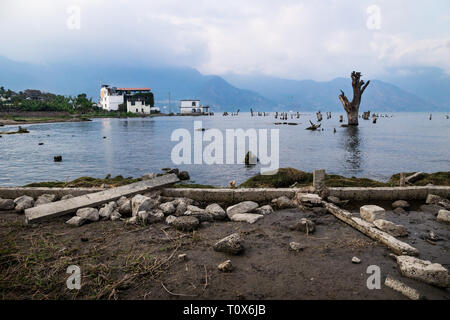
200	215
89	214
6	204
431	208
400	204
225	266
334	200
142	203
393	229
433	199
45	198
143	216
195	209
155	216
67	196
181	208
186	223
423	270
115	216
296	246
356	260
132	220
230	245
246	217
22	203
216	211
400	211
148	176
371	213
107	210
167	208
170	219
443	216
121	201
242	207
183	175
304	225
283	202
76	221
264	210
309	198
125	207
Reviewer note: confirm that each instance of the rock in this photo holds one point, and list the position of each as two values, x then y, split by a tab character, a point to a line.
125	207
296	246
216	211
121	201
400	204
283	202
167	208
320	211
393	229
155	216
432	273
242	207
246	217
400	211
200	215
264	210
181	208
230	245
334	200
115	216
107	210
195	209
183	175
142	203
398	286
304	225
67	196
89	214
310	199
182	257
57	158
45	198
431	208
205	224
225	266
443	216
186	223
6	204
170	220
22	203
433	199
143	216
371	213
356	260
132	220
148	176
415	177
76	221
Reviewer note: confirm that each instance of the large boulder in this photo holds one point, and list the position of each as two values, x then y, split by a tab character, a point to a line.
121	201
107	210
246	217
22	203
283	202
142	203
167	208
393	229
264	210
6	204
216	211
124	207
88	214
433	199
231	244
242	207
44	199
304	225
371	213
432	273
400	204
186	223
443	216
181	208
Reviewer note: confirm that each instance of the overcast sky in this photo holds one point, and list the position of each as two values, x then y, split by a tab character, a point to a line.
294	39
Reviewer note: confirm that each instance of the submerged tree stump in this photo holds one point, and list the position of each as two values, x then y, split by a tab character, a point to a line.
352	107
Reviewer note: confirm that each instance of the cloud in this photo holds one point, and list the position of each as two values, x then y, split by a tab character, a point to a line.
293	39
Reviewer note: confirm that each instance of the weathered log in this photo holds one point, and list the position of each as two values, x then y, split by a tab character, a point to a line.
313	126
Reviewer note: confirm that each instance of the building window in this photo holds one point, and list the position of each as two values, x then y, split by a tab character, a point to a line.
193	103
132	103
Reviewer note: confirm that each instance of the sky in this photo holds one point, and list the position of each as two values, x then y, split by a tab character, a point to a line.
314	39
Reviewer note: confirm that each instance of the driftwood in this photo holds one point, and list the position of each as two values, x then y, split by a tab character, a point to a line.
313	126
352	107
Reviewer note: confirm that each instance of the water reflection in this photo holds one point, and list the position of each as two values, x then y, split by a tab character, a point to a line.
352	156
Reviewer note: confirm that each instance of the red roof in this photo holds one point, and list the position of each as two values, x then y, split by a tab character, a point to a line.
133	89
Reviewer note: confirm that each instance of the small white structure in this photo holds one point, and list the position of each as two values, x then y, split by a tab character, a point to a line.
192	107
139	106
112	97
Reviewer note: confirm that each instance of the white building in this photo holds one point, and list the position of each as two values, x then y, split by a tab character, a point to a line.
192	107
112	97
138	106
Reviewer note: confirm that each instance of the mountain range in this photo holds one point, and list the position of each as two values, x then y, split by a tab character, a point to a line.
229	92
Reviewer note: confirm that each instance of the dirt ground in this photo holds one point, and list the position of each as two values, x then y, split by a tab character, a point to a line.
120	261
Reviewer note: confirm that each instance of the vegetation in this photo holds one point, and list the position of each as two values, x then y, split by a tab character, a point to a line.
284	178
86	182
437	178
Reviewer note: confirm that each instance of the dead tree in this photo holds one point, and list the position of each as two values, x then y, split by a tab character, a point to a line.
352	107
313	126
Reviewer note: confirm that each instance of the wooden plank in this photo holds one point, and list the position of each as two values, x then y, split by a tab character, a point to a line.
55	209
399	247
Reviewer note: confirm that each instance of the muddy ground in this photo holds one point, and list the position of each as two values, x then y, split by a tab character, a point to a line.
120	261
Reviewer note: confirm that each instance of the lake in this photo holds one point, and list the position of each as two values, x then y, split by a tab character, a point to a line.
136	146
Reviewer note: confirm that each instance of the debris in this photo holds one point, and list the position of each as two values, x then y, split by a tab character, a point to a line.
76	221
371	213
283	202
296	246
433	199
57	158
148	176
423	270
304	225
310	199
398	286
182	257
246	217
356	260
393	229
415	177
183	175
231	244
242	207
443	216
225	266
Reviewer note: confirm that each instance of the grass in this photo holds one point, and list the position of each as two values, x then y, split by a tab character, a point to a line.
86	182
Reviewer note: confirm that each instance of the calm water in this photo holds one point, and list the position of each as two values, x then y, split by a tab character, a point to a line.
133	147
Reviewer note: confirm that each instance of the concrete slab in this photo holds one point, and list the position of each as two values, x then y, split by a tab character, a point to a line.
55	209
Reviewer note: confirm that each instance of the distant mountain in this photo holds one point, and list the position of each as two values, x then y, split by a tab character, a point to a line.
182	83
315	95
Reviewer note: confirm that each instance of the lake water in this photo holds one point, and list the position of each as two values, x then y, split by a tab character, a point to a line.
132	147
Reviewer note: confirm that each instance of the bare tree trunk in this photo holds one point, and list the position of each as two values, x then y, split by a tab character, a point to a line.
352	107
